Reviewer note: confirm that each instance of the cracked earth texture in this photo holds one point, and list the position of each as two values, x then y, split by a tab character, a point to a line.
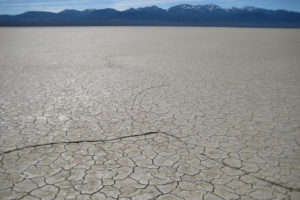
149	113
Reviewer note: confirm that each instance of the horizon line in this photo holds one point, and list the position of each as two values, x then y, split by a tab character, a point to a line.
121	10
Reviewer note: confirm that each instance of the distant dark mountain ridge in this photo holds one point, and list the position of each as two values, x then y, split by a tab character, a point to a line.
180	15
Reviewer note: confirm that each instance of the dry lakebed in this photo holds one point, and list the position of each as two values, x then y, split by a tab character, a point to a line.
149	113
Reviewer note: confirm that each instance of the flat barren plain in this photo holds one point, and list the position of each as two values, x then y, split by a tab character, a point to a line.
149	113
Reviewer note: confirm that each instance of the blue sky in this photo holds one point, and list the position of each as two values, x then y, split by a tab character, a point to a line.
20	6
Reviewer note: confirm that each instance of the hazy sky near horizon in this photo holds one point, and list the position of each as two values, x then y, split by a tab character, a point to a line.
20	6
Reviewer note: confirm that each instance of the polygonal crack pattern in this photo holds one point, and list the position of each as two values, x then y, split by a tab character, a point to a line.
142	167
123	117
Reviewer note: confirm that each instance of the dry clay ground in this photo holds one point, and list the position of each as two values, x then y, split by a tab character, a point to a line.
149	113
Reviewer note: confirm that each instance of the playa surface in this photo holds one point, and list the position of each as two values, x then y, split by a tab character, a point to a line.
149	113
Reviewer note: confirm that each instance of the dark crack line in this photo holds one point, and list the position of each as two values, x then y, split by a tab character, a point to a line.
278	184
170	135
144	90
80	141
145	134
251	174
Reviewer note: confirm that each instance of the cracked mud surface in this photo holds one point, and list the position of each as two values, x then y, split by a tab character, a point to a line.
149	113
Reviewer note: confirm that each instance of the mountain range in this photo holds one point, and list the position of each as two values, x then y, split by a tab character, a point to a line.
180	15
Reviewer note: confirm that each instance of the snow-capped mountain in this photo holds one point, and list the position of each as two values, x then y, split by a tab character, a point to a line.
180	15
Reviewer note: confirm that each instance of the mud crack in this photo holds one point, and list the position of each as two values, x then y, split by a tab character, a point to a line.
144	90
278	184
79	141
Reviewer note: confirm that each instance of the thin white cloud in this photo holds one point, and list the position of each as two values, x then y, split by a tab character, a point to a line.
35	3
19	6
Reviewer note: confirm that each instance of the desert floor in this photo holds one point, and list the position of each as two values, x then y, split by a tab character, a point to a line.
149	113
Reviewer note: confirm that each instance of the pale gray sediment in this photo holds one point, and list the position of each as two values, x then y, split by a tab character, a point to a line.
149	113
